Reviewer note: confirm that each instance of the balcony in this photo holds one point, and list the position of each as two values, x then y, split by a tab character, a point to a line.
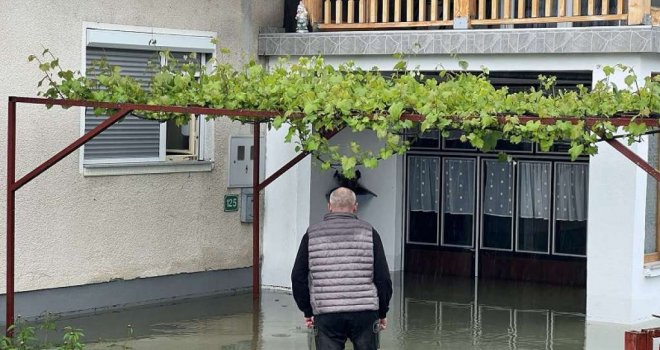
353	29
341	15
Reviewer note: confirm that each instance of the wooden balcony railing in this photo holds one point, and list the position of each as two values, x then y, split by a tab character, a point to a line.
392	14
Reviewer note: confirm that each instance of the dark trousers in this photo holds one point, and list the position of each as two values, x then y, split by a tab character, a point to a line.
360	327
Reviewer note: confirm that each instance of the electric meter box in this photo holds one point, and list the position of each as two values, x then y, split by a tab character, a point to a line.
246	205
241	153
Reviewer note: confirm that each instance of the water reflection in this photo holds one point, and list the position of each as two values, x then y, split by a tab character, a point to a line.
426	313
458	313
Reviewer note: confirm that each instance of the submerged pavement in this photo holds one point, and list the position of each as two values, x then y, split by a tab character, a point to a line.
426	313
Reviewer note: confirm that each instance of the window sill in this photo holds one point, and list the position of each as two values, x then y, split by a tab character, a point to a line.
191	166
652	269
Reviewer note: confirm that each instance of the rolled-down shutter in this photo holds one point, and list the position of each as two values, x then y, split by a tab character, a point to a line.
132	139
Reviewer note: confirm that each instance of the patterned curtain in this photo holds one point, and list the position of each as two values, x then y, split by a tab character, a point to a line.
459	186
423	177
571	186
534	190
497	199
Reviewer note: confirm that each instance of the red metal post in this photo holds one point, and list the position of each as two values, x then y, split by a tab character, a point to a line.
630	340
13	186
254	114
635	158
11	201
256	252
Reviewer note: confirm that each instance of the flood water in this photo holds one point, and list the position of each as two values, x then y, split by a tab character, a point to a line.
447	313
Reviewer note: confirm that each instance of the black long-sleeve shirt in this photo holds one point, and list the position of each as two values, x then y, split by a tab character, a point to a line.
300	277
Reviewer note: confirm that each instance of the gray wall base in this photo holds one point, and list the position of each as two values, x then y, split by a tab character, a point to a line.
122	293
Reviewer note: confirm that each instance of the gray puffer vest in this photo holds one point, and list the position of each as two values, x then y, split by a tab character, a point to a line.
341	260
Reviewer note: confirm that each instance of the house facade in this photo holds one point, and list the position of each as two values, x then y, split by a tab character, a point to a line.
136	215
446	209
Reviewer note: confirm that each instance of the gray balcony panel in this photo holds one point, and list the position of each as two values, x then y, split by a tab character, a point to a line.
623	39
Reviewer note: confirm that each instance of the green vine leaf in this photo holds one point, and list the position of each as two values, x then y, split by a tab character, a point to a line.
575	151
313	97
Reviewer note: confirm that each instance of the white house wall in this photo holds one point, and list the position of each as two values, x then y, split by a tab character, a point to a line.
645	289
75	230
617	289
381	211
286	211
298	198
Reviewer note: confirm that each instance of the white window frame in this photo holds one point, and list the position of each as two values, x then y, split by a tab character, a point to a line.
156	39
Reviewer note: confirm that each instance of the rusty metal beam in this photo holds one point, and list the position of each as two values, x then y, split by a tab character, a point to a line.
256	214
283	170
639	161
11	213
327	135
522	119
149	108
589	121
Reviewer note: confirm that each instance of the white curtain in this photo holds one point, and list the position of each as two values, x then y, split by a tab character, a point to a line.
424	177
458	186
571	185
497	199
534	190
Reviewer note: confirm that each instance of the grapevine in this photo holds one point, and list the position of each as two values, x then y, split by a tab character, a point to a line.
313	98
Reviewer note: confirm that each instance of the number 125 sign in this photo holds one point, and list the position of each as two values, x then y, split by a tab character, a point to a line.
231	202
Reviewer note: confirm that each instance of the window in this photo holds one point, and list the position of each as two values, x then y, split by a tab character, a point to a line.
453	142
134	139
458	193
533	219
571	194
423	203
525	205
497	207
558	147
427	139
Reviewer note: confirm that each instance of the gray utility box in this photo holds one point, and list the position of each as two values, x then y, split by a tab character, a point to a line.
241	152
246	205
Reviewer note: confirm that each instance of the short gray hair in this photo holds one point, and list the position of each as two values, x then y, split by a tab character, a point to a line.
342	198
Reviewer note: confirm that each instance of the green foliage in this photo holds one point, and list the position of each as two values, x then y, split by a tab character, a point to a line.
314	98
25	337
72	339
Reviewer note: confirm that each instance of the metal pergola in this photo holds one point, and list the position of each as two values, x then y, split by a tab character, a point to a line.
257	117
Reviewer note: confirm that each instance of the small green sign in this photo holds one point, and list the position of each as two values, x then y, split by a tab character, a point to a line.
231	202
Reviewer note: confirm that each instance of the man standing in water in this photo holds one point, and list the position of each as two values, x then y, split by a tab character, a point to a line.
341	281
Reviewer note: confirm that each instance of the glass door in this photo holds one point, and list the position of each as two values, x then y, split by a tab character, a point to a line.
497	205
458	202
